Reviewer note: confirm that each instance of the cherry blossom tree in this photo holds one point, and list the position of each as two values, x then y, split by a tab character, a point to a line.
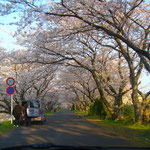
122	26
31	80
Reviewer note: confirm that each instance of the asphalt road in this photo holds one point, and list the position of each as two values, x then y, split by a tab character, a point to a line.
62	128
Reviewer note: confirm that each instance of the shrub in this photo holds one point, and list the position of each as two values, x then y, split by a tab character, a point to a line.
129	112
91	111
73	107
99	109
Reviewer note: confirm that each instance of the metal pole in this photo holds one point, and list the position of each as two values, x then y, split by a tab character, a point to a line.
11	109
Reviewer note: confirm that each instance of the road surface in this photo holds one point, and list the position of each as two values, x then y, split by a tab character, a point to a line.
62	128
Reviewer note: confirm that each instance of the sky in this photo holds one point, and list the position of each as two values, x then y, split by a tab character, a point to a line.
9	42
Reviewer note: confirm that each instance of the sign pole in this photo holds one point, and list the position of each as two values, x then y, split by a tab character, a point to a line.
11	109
10	91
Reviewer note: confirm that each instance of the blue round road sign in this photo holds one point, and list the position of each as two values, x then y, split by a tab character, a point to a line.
10	90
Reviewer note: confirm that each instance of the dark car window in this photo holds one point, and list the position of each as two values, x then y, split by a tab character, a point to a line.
34	104
31	105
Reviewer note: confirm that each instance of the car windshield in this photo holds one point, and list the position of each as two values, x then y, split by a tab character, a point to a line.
75	73
34	104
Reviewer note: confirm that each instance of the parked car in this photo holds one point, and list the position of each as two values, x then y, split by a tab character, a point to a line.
34	112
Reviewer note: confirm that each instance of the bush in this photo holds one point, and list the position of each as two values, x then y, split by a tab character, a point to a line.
73	107
91	111
98	109
129	112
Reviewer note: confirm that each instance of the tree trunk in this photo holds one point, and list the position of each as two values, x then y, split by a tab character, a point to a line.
145	111
101	92
136	103
134	77
118	108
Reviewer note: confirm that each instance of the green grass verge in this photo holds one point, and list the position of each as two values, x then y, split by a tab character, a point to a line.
6	126
49	113
138	134
80	112
52	112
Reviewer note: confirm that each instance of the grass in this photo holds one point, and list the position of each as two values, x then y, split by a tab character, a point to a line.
52	112
80	112
6	126
138	134
49	113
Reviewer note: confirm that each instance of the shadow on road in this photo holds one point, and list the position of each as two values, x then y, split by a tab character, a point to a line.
62	128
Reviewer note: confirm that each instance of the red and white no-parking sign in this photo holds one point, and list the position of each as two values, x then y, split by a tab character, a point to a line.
10	81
